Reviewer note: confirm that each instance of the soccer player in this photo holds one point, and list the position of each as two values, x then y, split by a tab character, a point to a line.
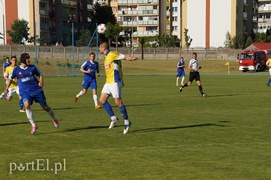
14	85
180	71
194	74
113	84
90	68
30	81
5	65
268	64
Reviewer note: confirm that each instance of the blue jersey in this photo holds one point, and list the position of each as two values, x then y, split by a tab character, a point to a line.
5	65
181	63
27	81
92	68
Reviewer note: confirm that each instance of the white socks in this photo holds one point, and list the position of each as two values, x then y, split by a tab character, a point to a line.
30	117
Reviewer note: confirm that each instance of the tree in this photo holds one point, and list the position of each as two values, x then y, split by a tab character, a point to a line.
112	32
187	39
84	37
102	14
228	41
19	31
249	41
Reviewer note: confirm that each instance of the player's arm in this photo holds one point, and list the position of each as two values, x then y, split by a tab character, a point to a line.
84	71
7	85
98	70
130	58
41	80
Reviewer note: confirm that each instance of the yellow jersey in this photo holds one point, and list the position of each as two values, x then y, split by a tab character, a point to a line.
113	67
268	63
8	72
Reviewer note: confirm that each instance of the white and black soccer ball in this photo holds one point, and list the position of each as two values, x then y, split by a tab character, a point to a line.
101	28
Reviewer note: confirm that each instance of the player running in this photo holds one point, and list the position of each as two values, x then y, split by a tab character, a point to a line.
180	71
30	89
14	85
90	68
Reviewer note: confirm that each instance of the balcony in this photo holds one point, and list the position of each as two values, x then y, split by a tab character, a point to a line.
245	15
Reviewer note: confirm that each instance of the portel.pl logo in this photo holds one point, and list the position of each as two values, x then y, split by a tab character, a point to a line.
38	165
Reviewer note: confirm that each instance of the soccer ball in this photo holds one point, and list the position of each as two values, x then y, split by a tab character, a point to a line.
101	28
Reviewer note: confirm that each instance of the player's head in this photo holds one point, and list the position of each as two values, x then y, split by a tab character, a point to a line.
103	48
92	56
13	60
181	59
195	55
24	58
7	59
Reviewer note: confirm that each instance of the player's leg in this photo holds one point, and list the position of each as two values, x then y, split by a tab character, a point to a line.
42	101
85	85
106	91
118	101
29	114
178	77
21	104
93	86
197	78
269	80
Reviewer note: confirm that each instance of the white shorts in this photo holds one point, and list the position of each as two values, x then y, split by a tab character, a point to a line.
113	89
12	90
270	71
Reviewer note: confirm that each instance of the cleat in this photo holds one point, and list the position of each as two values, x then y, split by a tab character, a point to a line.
75	99
181	89
55	123
1	96
98	107
113	122
127	127
177	84
22	111
204	95
182	84
268	85
34	129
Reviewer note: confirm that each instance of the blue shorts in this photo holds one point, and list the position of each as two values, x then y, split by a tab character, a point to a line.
180	72
89	83
38	97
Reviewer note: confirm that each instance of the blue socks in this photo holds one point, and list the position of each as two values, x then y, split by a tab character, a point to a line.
108	109
21	104
123	112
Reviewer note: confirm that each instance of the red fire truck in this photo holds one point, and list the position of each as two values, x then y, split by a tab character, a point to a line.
253	60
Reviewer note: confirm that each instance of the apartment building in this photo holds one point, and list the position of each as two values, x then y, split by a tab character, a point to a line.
264	16
50	20
208	21
173	15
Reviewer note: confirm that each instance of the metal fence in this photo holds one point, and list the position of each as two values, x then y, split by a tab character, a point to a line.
160	53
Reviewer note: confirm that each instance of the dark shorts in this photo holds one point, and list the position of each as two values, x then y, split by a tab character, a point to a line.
89	83
38	97
180	72
194	75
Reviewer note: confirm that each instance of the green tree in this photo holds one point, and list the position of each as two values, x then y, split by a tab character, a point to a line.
112	33
84	37
19	31
249	41
228	41
102	14
187	39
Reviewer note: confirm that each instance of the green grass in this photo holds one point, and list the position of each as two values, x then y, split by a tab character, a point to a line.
174	135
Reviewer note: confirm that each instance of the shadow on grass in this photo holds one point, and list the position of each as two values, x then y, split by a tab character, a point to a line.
18	123
176	127
222	95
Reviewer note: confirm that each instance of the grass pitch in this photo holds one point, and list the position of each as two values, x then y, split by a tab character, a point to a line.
173	136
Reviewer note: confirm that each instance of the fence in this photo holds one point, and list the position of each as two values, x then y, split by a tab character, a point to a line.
160	53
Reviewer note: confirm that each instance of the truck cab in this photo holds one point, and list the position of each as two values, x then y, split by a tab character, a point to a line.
252	61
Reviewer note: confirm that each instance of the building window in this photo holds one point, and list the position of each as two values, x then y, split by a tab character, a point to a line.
175	9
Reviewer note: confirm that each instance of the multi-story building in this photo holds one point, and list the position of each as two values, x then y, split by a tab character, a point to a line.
208	21
264	15
50	20
141	16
